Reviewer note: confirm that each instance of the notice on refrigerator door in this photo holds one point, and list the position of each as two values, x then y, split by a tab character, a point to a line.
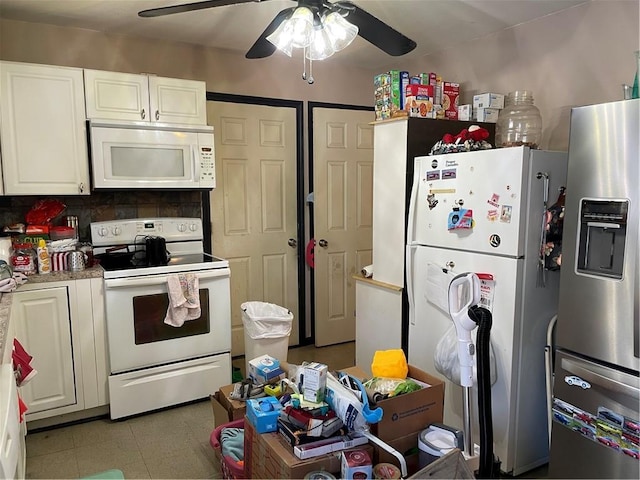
438	280
487	289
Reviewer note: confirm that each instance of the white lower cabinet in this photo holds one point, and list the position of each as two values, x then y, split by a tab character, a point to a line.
61	324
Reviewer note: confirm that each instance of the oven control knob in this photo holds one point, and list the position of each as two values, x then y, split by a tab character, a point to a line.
103	232
182	227
117	231
193	227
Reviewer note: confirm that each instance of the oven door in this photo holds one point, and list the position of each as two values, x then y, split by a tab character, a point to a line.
138	337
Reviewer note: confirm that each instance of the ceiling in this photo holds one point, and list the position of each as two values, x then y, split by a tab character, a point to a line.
434	24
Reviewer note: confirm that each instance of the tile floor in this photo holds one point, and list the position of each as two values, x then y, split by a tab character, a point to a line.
172	443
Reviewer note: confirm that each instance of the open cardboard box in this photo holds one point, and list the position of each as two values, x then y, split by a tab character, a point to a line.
269	455
408	413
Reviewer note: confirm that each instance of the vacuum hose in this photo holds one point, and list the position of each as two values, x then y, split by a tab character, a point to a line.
489	466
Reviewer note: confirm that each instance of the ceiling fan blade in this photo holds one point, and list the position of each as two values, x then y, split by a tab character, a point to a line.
189	7
376	31
262	47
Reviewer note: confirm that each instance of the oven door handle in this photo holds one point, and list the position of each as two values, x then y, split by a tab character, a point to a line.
161	279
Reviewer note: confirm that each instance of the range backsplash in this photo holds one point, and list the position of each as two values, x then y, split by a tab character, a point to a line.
101	206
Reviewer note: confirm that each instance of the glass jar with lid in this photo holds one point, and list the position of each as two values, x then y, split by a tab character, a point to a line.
519	123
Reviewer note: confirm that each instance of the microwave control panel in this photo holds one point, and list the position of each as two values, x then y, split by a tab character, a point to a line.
207	161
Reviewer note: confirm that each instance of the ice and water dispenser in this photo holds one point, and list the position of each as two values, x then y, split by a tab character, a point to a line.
602	233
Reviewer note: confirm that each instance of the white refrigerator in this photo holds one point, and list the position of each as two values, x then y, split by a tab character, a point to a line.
483	212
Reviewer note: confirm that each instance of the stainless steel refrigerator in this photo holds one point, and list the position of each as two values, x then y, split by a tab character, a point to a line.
482	212
596	393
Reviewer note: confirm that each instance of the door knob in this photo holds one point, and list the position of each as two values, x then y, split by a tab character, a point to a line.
323	243
292	242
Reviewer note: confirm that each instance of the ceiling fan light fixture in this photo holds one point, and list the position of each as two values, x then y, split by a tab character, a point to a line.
282	37
341	32
302	27
321	45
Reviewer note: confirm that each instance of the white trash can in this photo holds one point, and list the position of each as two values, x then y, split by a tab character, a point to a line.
266	331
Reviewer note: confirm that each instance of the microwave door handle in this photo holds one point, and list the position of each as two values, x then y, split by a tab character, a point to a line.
113	283
196	164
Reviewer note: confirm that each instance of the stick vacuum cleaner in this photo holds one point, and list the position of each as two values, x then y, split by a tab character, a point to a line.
466	316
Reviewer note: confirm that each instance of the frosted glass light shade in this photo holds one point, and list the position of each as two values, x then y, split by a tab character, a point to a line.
282	37
341	32
302	24
320	47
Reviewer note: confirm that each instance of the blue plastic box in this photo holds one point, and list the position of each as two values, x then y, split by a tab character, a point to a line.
263	414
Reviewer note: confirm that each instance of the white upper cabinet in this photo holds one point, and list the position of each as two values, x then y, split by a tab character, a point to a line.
42	130
144	98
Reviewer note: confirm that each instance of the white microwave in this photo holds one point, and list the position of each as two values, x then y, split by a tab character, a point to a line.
139	155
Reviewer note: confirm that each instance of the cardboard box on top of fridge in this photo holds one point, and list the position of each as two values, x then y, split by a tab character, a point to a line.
450	95
488	100
489	115
465	112
419	101
410	412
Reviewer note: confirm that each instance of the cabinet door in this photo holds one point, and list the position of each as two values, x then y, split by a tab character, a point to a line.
116	96
43	326
42	130
175	100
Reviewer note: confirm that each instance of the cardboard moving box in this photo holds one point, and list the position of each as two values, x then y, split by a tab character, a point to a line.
410	412
225	409
268	455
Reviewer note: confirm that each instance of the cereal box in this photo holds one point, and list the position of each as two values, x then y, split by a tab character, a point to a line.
464	112
419	101
450	94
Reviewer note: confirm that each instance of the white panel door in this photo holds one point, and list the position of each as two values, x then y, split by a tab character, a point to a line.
253	209
343	203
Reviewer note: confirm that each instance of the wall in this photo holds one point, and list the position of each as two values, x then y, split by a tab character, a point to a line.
276	76
579	56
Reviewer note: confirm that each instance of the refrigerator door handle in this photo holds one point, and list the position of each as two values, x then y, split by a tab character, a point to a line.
412	202
598	378
409	269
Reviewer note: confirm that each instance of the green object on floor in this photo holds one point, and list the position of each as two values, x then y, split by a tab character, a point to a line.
109	474
236	375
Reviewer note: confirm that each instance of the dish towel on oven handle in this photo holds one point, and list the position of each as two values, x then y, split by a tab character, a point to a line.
184	299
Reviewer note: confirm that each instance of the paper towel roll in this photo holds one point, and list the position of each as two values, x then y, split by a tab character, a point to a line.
367	271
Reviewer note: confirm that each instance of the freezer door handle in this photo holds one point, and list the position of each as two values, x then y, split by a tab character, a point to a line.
598	376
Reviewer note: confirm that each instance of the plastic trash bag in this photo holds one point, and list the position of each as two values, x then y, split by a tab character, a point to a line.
266	320
447	362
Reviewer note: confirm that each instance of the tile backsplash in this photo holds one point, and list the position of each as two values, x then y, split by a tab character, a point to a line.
101	206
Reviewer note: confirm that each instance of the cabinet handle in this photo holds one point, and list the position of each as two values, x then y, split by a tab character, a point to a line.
157	115
143	114
81	187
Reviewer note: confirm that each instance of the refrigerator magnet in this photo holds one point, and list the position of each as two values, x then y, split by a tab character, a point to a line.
492	215
495	198
505	213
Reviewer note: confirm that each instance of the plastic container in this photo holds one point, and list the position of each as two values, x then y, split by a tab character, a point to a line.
519	123
266	331
23	259
62	233
230	468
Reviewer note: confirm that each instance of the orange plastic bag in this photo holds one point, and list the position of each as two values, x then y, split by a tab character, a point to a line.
390	363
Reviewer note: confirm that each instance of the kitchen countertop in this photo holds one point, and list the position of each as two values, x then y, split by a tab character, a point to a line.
61	276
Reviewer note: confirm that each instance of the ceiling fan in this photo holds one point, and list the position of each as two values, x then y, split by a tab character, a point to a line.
370	28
